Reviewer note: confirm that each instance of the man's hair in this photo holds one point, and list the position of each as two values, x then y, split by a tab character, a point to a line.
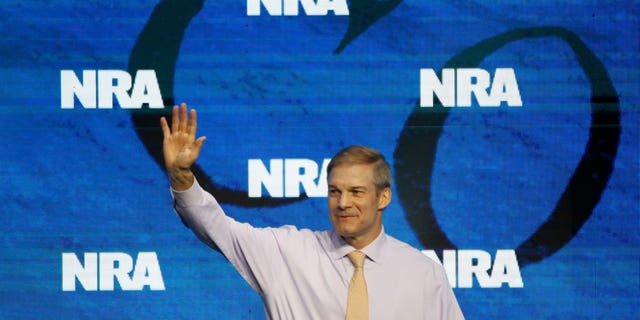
364	155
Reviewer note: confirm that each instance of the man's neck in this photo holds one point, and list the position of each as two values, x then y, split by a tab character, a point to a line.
361	242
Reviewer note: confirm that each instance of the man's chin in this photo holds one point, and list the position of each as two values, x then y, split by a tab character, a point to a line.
346	232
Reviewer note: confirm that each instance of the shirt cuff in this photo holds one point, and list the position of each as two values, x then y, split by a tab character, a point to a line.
191	196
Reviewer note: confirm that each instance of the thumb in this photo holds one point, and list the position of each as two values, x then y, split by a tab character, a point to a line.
198	145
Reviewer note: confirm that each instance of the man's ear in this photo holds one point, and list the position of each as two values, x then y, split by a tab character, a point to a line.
384	198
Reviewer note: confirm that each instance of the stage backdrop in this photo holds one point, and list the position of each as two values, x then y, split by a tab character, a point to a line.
511	128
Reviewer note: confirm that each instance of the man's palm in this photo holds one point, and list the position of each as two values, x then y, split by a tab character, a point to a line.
180	147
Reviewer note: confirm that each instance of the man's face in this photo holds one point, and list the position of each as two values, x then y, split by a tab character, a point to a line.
355	208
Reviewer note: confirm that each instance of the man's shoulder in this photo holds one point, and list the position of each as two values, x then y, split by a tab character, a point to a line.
404	253
407	260
293	234
405	248
291	229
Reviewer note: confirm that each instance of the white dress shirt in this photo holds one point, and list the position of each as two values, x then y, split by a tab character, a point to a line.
304	274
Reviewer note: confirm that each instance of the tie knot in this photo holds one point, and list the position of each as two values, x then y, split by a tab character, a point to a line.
357	258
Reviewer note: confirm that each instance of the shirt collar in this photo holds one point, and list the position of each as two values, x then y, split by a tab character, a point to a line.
374	250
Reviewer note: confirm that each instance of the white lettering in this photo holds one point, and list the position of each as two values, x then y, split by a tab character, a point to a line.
305	172
430	85
147	272
291	7
115	264
73	269
462	266
458	86
285	177
71	86
505	88
274	7
470	81
102	268
259	175
110	83
473	262
145	90
97	88
506	270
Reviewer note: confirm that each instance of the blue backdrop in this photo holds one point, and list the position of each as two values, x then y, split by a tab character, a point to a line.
557	180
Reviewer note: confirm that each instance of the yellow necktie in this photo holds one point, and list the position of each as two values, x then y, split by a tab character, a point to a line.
357	301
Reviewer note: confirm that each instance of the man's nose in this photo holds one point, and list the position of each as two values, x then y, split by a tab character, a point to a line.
344	201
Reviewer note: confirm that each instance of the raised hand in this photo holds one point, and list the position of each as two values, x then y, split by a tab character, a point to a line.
180	146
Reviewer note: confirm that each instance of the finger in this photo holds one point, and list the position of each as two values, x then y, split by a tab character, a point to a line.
193	123
165	127
198	146
174	119
183	118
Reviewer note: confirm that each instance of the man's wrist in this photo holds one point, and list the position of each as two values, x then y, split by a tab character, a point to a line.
181	179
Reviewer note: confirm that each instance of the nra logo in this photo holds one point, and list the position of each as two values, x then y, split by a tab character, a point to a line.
458	86
463	266
292	7
283	178
98	88
99	271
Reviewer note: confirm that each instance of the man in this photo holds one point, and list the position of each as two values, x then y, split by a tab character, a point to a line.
355	271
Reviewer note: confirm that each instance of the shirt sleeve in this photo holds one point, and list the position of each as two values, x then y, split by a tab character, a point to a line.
254	252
